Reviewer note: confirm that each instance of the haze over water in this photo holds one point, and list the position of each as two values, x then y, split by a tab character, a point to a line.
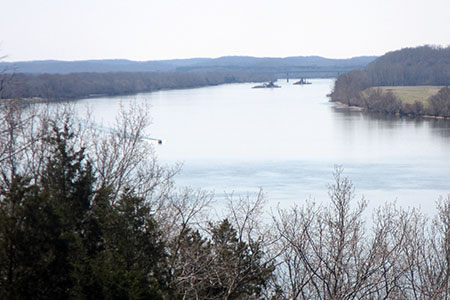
235	139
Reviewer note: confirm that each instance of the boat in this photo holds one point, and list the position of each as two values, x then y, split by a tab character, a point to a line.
302	81
269	85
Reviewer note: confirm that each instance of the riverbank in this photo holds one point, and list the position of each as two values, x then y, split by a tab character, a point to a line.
361	108
426	101
348	106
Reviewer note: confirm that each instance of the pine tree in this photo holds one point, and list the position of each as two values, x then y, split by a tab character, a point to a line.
134	250
237	268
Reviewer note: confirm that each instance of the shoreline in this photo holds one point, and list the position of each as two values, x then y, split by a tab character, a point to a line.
348	106
359	108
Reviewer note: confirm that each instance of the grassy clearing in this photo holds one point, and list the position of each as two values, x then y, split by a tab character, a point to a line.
410	94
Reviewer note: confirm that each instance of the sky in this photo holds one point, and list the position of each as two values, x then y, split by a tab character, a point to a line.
169	29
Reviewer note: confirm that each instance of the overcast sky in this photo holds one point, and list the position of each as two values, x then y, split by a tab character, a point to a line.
166	29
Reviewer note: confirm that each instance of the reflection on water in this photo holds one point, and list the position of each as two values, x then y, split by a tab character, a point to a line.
234	138
433	125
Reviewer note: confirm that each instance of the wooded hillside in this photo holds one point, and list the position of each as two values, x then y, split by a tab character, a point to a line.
411	66
419	66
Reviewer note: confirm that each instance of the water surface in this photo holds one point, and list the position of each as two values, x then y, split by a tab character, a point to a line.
235	139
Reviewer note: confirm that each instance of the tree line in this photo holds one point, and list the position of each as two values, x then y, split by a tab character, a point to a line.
86	214
424	65
54	87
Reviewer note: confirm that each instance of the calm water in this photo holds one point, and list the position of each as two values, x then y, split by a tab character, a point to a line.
234	139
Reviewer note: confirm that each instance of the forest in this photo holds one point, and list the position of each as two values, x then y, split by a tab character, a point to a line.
89	214
58	87
420	66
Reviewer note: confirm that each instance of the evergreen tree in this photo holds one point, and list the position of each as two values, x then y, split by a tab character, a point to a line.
134	251
237	270
192	261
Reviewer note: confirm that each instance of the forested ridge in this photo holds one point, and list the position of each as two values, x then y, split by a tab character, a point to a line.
424	65
315	64
89	214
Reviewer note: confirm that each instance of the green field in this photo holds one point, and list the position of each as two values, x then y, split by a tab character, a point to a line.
410	94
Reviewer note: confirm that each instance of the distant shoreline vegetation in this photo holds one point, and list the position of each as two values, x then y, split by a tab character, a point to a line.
62	80
411	81
61	87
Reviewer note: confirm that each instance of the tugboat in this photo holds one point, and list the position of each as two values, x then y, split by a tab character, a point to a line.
269	85
302	81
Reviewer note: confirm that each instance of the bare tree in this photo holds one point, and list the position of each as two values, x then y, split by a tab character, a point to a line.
122	156
229	258
427	253
21	133
328	253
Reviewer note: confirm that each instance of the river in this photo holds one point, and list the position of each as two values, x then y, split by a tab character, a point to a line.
233	139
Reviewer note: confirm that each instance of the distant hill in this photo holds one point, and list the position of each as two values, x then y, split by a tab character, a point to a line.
315	66
96	66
